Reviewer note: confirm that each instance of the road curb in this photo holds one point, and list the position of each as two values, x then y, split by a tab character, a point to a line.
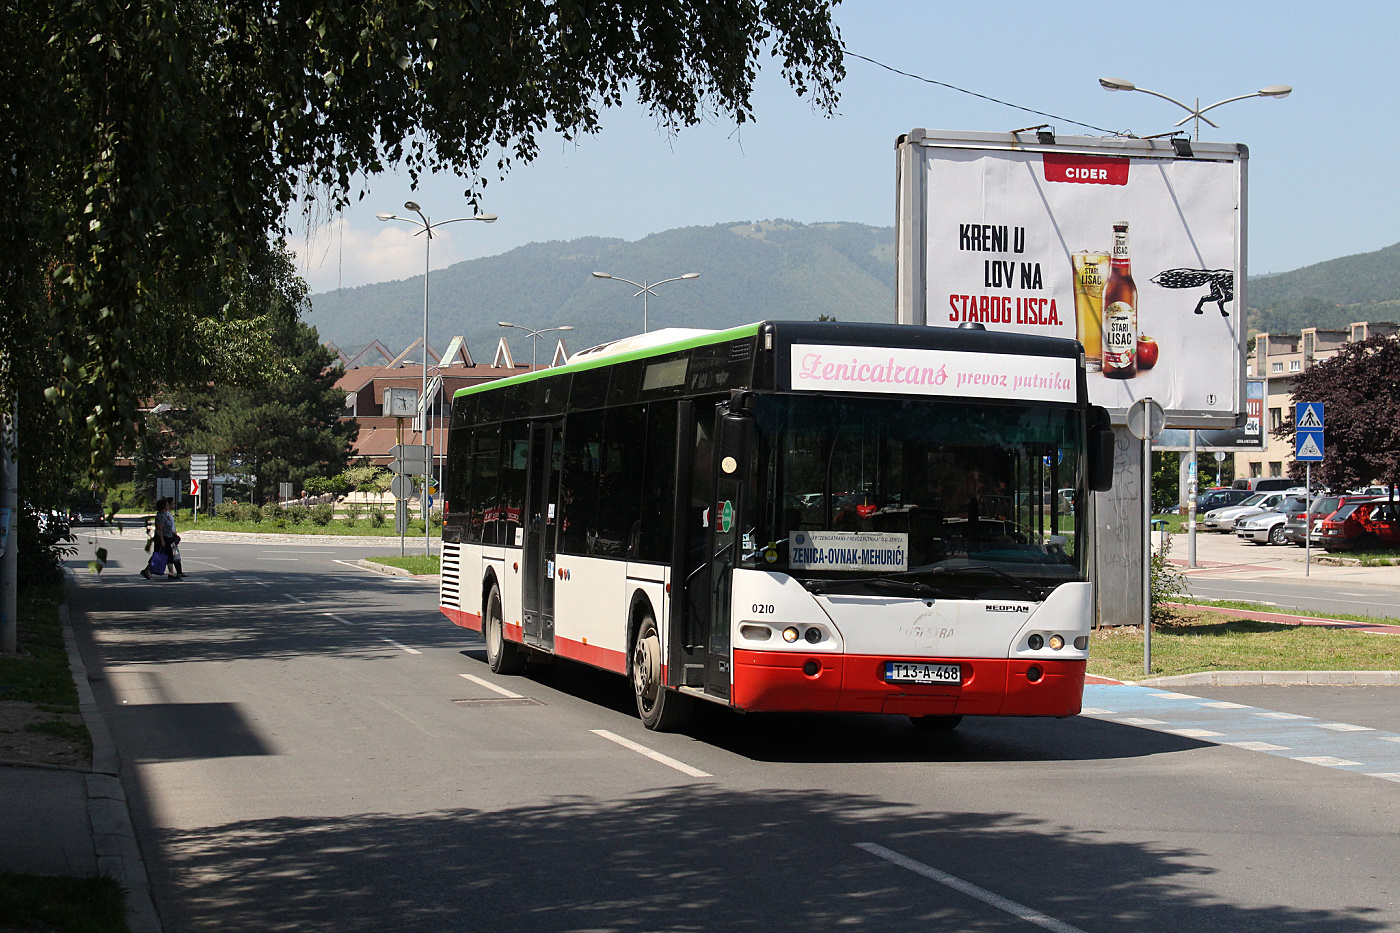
113	835
389	571
1277	679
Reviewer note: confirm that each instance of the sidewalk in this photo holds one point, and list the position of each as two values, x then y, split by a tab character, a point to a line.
1218	555
73	822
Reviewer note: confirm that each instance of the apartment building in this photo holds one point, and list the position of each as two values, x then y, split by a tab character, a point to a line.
1280	359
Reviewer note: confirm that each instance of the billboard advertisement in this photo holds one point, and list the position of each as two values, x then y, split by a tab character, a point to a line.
1246	437
1124	244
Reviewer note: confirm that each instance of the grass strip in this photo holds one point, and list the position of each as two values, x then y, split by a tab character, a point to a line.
38	671
1292	611
1207	641
61	905
413	563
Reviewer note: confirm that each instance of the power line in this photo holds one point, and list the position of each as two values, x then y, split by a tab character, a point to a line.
963	90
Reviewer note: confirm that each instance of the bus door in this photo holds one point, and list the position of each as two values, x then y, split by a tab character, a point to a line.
541	528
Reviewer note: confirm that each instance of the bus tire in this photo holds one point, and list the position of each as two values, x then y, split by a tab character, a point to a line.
503	655
935	723
660	709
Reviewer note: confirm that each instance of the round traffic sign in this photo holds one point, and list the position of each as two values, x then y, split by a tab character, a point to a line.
1146	419
401	487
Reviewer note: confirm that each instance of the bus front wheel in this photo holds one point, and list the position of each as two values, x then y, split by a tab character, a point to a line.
503	655
661	710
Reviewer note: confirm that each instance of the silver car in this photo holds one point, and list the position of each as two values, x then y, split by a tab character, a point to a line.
1262	528
1223	520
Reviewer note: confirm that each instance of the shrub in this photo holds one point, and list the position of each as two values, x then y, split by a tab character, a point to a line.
1168	584
322	514
352	512
377	517
233	511
298	513
272	511
435	518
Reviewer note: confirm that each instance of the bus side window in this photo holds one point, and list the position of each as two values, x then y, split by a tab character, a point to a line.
510	501
457	487
485	470
659	485
583	441
620	480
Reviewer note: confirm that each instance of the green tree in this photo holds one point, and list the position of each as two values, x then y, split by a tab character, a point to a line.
286	430
151	146
1360	391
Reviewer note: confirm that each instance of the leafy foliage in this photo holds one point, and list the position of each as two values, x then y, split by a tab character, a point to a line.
1168	585
282	431
151	147
1360	391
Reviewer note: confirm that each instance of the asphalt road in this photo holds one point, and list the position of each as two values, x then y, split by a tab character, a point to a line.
310	746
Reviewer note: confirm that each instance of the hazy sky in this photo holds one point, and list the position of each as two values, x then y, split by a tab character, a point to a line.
1322	171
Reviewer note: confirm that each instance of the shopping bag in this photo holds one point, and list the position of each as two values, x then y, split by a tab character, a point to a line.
174	553
158	563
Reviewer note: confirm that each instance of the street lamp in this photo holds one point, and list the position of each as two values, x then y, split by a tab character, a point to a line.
645	288
1197	112
534	334
426	226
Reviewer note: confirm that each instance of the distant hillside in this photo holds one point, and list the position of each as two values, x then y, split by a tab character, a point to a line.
748	271
1364	287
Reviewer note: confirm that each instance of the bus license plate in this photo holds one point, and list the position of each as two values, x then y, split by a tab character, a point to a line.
903	672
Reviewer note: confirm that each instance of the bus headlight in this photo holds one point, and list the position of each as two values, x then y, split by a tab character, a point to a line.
1036	642
790	634
1057	642
813	635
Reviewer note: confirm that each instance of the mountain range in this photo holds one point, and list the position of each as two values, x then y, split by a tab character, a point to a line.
748	271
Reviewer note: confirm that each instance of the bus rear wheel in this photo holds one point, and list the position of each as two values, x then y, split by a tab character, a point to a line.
503	655
935	723
660	709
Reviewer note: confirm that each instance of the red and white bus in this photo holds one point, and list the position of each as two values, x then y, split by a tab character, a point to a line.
787	516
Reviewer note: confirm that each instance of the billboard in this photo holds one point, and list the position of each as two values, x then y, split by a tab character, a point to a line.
1123	244
1248	436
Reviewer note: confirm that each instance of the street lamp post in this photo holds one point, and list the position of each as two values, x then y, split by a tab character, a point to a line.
1197	113
645	288
534	334
426	226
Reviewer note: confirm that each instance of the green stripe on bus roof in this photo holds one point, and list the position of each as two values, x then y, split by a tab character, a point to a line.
746	330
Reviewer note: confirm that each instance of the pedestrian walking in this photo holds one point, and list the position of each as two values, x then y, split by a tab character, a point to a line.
160	543
174	554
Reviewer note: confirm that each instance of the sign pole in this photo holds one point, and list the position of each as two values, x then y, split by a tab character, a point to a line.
398	511
1307	526
1194	478
1147	554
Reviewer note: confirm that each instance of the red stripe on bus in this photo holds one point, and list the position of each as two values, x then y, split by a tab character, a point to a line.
773	681
469	620
608	659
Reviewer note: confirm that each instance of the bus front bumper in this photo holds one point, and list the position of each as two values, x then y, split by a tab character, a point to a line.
773	681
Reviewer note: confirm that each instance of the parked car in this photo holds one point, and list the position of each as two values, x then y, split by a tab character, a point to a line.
1262	528
1322	507
1223	520
1361	526
1264	483
1219	497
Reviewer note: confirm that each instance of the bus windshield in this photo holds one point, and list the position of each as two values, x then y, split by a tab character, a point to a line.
939	497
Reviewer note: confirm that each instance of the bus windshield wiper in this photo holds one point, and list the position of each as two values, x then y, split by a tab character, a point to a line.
1035	590
912	587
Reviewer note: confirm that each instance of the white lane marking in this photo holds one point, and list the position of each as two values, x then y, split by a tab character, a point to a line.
1388	775
1274	715
1173	696
279	558
336	617
1389	738
1343	727
654	755
399	646
207	563
1196	733
1091	711
1142	722
293	598
1259	746
971	890
1223	705
1327	761
490	686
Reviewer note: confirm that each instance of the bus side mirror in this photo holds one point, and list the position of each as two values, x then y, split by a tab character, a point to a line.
734	444
1100	449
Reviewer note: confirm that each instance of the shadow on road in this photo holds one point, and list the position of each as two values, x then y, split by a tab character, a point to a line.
686	860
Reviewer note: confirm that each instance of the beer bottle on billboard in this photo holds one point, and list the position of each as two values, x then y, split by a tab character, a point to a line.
1120	313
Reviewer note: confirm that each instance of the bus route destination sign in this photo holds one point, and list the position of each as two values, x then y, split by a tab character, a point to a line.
848	550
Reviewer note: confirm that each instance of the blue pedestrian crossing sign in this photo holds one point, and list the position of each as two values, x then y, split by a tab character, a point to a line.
1307	442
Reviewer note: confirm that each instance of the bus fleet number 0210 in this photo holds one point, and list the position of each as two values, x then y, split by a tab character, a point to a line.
763	609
